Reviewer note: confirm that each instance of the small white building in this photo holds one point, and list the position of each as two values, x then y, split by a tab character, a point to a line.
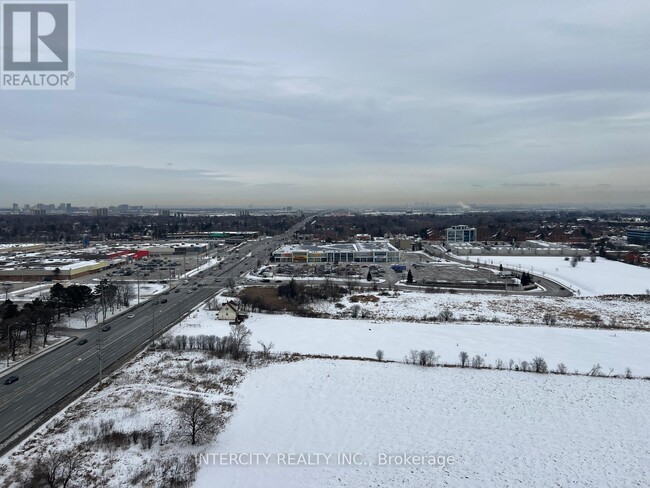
228	311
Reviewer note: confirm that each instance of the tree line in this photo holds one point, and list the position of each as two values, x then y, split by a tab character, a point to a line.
21	327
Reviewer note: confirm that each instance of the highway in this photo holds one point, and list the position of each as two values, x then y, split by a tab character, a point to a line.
51	381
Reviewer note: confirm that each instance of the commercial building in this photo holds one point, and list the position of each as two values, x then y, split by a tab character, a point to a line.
353	252
461	233
639	235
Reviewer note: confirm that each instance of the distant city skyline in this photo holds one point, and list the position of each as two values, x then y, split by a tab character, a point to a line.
339	104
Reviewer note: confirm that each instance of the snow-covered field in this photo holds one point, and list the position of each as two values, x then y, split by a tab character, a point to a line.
579	349
505	308
501	428
602	277
492	428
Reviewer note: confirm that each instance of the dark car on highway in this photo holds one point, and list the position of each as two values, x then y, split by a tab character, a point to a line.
106	328
11	379
82	342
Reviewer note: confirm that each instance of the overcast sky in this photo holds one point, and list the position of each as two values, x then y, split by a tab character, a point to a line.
213	103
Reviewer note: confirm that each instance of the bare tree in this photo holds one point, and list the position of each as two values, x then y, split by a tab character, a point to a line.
266	349
596	370
355	310
350	283
58	468
428	358
95	308
240	339
478	362
499	364
574	261
562	369
412	358
212	304
539	365
380	355
87	314
125	293
196	420
628	373
464	359
524	366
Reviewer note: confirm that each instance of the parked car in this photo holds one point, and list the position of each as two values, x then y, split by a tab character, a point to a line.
11	379
81	342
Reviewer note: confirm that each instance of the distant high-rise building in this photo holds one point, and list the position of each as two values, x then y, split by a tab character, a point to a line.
164	213
99	212
14	207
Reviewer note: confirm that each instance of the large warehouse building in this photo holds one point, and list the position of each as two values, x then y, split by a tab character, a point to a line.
357	252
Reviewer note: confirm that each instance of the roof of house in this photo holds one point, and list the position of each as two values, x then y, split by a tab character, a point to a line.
232	305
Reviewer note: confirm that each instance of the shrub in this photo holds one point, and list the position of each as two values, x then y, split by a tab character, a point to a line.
464	359
478	362
539	365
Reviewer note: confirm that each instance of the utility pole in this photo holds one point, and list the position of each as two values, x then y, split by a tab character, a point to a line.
8	343
153	322
99	352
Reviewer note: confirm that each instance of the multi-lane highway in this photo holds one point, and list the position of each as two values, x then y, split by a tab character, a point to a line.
50	381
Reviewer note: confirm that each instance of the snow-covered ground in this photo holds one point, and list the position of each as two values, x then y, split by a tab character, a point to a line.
602	277
489	428
579	349
147	290
108	428
505	308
